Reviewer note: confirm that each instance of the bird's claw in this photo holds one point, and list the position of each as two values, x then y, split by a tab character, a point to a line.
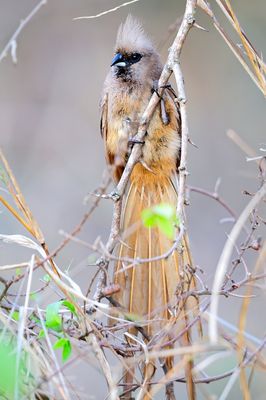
133	141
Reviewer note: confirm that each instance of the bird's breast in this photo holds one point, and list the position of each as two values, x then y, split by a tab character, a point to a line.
162	142
124	113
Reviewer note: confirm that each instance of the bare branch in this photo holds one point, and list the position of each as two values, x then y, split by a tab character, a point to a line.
12	43
225	258
127	3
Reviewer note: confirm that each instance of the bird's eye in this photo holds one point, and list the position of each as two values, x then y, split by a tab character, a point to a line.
135	57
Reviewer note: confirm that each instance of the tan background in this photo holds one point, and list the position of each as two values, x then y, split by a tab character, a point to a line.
49	130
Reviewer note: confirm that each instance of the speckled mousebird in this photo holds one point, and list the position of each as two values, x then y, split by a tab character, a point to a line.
152	289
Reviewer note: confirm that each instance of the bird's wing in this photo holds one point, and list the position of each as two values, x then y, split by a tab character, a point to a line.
117	170
170	96
173	96
104	125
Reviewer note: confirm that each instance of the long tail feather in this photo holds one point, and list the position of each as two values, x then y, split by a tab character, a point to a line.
150	290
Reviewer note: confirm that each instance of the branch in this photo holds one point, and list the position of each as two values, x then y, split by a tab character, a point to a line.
215	196
225	258
258	66
127	3
12	43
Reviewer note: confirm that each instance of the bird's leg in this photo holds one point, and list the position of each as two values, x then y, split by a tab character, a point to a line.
132	141
131	125
169	87
154	89
164	115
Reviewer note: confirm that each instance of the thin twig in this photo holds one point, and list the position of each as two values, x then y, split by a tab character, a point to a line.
12	43
127	3
225	258
206	8
214	195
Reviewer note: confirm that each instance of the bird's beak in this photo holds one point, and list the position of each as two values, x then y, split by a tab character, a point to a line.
119	60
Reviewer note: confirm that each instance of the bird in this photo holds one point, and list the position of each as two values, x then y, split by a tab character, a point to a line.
151	290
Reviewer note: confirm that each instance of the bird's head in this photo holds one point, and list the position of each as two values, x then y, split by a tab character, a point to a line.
135	58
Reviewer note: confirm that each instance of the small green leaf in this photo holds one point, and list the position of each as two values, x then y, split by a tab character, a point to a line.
18	271
41	334
70	306
59	343
33	296
46	278
133	317
166	226
148	218
53	319
32	317
163	216
8	370
164	210
15	315
65	344
67	349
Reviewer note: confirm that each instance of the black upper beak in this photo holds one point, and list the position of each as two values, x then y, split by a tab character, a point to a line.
119	60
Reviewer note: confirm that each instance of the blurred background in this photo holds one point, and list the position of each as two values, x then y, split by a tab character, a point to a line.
49	132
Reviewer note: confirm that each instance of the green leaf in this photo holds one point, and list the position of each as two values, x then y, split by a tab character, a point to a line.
46	278
41	334
70	306
53	319
59	343
164	210
18	271
162	216
67	350
33	296
148	217
15	315
33	318
166	226
15	371
8	370
65	344
133	317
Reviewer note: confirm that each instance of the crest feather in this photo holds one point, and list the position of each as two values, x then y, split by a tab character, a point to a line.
131	36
